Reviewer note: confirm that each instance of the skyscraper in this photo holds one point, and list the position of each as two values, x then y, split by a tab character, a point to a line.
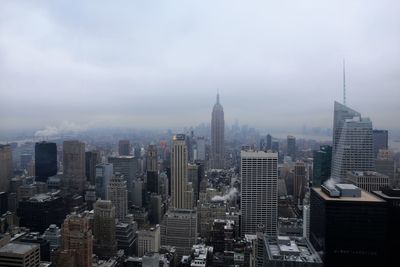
118	194
45	160
105	243
104	173
352	142
299	182
152	169
380	140
6	168
126	166
259	172
124	147
77	240
322	165
217	136
92	158
291	147
269	142
179	165
74	166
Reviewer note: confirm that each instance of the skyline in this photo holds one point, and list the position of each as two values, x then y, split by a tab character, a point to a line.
138	65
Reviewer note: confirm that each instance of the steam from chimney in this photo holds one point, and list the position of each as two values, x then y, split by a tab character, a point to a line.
228	196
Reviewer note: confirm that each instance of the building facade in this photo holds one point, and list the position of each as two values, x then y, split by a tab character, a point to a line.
118	194
105	243
45	160
217	136
74	166
6	167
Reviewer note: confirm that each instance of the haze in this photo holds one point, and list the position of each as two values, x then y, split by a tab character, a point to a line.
155	64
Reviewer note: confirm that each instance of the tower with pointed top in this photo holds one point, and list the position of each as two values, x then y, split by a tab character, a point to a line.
217	136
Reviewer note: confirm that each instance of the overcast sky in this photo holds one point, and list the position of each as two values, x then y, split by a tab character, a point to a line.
159	63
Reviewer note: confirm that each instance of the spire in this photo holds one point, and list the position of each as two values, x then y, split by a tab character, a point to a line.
344	83
217	96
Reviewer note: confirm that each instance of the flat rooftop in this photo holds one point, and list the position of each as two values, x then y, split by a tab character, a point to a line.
257	154
365	197
18	248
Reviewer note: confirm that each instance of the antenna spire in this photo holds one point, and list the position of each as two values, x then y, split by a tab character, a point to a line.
344	82
217	95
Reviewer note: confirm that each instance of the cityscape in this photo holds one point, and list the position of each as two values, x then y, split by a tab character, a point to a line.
92	176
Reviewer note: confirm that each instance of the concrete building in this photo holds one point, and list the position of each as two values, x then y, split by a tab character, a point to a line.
45	160
299	182
179	163
105	243
6	167
347	225
291	147
92	159
74	166
385	164
20	255
380	140
104	174
352	142
206	213
259	172
369	181
118	194
217	136
125	235
282	251
53	235
179	229
124	147
77	239
148	240
128	167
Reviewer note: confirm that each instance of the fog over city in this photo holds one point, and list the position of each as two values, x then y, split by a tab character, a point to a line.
159	64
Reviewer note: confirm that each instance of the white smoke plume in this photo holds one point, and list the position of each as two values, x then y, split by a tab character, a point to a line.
330	183
228	196
63	128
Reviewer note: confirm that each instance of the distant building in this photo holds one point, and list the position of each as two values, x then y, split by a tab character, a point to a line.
347	225
385	164
322	165
217	136
259	202
299	182
179	229
369	181
124	148
53	235
6	167
45	160
118	194
105	243
125	235
291	147
153	183
26	160
269	142
20	255
104	174
128	167
201	148
148	240
282	251
380	140
74	166
92	159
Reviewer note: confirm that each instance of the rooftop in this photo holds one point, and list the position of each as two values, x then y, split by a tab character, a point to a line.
257	154
365	197
18	248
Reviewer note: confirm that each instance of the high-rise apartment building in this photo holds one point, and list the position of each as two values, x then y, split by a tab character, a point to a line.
259	172
291	147
45	160
217	136
118	194
104	174
322	165
105	243
74	166
179	165
6	167
352	143
380	140
92	159
124	147
77	239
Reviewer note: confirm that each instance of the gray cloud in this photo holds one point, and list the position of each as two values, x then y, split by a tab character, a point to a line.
146	63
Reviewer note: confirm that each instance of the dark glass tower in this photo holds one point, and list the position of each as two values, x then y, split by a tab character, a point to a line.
322	165
45	160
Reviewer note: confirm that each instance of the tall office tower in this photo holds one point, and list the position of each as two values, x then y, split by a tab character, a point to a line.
105	244
92	159
77	239
148	240
152	169
45	160
74	166
6	167
347	225
299	182
385	164
193	177
179	163
380	140
217	136
104	173
124	147
18	254
275	146
369	181
127	166
179	229
259	172
118	194
291	147
392	198
269	142
201	148
322	165
354	149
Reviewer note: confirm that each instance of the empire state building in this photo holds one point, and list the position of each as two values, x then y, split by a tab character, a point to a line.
217	136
